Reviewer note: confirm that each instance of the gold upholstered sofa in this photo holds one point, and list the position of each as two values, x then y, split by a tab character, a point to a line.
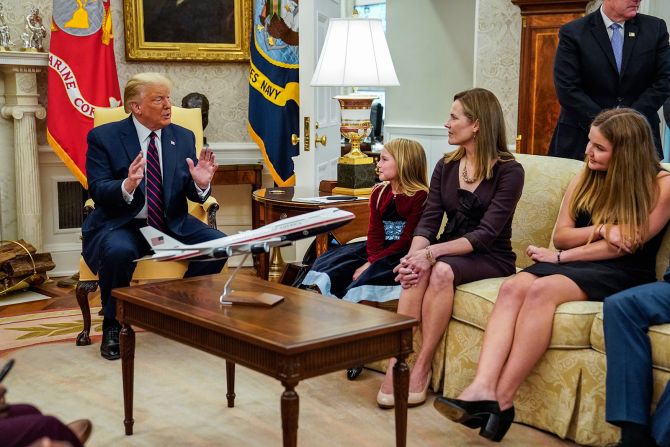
565	393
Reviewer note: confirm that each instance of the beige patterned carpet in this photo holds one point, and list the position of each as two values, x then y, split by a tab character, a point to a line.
180	396
45	327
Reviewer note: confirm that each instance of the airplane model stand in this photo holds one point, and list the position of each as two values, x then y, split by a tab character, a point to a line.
230	296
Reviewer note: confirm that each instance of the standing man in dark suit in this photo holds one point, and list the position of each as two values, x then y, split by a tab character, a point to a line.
140	172
627	317
613	57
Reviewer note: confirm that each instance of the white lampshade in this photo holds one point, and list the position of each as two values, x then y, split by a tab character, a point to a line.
354	54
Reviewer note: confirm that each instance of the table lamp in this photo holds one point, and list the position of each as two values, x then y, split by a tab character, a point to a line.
355	54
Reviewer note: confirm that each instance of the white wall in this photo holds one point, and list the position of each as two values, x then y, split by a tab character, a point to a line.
661	8
432	45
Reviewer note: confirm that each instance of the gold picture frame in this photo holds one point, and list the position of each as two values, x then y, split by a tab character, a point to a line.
187	30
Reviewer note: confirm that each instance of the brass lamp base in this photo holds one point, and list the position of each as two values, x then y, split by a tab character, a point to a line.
276	265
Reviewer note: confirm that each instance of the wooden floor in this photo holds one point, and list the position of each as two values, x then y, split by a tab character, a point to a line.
61	298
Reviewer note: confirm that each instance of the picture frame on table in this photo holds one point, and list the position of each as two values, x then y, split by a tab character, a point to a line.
187	30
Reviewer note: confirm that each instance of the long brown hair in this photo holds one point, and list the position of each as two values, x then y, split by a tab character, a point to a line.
626	192
491	141
411	164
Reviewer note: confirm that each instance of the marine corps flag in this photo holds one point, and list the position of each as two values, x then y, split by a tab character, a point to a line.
82	75
274	96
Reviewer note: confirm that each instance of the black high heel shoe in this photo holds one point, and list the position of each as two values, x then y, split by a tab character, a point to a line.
483	414
504	423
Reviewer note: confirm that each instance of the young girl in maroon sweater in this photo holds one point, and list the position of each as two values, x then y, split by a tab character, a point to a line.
364	270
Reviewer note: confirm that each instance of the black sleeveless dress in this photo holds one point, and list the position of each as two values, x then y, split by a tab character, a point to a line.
600	279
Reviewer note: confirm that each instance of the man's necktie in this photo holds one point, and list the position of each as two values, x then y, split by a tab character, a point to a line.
617	44
154	184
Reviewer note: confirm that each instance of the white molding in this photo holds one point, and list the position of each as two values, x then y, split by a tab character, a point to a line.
237	153
233	153
434	139
24	58
413	129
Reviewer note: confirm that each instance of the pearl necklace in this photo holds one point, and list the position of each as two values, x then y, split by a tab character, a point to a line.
464	174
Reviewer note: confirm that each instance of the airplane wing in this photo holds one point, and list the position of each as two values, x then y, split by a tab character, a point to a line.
279	233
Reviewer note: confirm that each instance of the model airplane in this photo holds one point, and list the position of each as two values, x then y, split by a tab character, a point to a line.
277	234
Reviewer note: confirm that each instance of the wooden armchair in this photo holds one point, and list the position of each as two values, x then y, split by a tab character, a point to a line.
146	270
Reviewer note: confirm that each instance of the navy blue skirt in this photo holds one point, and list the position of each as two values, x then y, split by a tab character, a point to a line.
332	272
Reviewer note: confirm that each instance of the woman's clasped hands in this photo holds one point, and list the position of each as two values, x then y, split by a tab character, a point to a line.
615	237
412	268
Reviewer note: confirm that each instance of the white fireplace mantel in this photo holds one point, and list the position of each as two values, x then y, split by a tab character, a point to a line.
21	107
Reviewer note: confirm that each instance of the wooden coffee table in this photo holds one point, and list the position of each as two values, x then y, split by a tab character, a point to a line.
304	336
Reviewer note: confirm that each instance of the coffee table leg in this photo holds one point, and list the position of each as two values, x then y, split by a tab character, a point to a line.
290	403
127	341
400	395
230	383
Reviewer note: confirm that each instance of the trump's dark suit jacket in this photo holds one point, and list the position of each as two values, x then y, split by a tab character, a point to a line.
587	80
111	149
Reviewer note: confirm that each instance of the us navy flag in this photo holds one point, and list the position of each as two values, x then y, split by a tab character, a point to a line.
274	95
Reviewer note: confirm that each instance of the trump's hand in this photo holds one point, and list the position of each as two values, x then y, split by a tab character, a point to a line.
203	172
135	173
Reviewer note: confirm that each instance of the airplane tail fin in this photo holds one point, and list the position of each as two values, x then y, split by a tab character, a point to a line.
159	240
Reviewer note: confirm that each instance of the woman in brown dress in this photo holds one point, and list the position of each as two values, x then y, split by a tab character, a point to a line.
478	187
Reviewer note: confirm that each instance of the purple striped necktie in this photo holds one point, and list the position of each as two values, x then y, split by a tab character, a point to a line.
154	184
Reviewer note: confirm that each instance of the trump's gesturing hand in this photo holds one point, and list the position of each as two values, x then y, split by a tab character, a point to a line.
203	172
135	173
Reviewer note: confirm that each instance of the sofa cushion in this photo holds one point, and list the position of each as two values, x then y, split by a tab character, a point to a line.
546	179
573	321
659	336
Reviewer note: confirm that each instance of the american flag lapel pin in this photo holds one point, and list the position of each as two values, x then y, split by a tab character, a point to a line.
631	34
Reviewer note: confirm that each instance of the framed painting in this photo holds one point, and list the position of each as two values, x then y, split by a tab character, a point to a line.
187	30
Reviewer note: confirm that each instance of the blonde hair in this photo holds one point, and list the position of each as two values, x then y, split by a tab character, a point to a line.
411	164
490	141
626	192
135	86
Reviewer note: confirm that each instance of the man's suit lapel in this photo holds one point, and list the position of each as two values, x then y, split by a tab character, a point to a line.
600	34
129	140
169	149
630	36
